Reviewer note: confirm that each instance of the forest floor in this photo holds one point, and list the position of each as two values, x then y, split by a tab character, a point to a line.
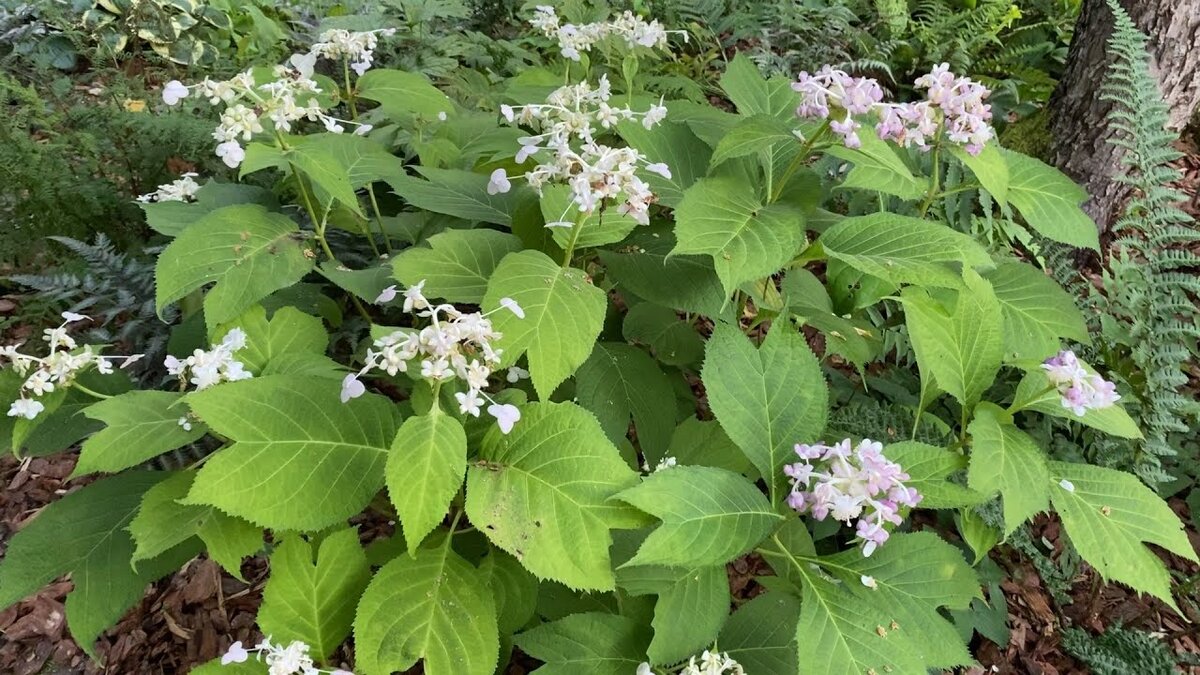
193	615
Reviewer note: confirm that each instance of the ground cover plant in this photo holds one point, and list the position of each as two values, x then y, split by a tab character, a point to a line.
584	344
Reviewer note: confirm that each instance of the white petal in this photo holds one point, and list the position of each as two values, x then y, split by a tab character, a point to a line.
513	307
506	416
660	169
1066	485
352	387
386	295
72	316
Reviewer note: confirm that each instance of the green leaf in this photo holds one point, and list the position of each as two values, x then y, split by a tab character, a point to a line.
701	595
564	313
929	468
1049	201
767	399
747	239
366	283
761	634
618	381
300	459
462	194
83	534
139	426
750	136
1005	459
171	218
399	92
704	443
674	145
162	523
215	667
433	606
324	169
962	347
674	341
289	332
514	589
1108	514
587	644
457	264
541	493
425	470
846	628
1032	392
364	161
1038	313
687	283
755	95
312	599
709	516
903	250
977	534
878	167
598	228
246	250
990	169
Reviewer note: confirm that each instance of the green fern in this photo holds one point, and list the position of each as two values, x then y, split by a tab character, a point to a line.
1147	285
1120	651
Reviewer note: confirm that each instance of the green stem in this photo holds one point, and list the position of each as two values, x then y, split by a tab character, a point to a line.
1019	405
935	184
89	392
798	161
352	104
961	188
575	230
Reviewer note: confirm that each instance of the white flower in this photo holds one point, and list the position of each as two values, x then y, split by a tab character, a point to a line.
290	660
185	423
235	654
25	407
512	306
174	92
231	153
363	129
235	339
469	402
644	669
516	374
507	112
71	317
386	295
869	582
352	387
304	64
498	182
506	416
413	299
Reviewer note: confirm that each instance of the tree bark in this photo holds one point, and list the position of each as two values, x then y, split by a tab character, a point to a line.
1078	115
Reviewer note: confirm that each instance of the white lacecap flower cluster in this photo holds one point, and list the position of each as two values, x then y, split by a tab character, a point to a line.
953	104
280	659
63	362
455	345
355	47
204	369
1081	391
291	97
573	39
182	190
708	663
851	482
595	172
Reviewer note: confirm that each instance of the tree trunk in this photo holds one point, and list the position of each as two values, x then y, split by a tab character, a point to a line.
1077	115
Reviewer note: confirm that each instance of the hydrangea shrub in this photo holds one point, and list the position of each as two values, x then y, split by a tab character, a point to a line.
574	376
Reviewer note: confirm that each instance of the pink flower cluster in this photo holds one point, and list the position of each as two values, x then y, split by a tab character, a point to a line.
1080	390
955	104
850	483
852	95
